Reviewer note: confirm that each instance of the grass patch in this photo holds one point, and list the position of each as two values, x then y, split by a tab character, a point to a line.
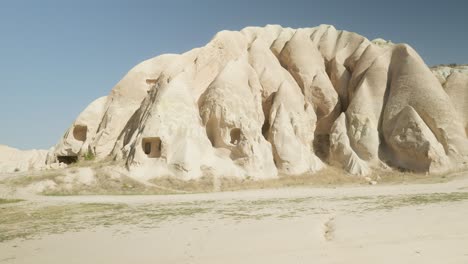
104	184
25	221
25	180
452	65
89	156
328	177
29	220
8	201
394	202
404	177
109	181
204	184
421	199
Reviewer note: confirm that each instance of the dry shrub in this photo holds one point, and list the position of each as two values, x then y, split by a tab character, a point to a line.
326	177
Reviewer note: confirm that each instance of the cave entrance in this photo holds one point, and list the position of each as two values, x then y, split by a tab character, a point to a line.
67	159
235	136
152	147
80	132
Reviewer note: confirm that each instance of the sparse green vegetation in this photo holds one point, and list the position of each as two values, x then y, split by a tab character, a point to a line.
24	180
325	178
405	177
24	221
27	219
111	182
204	184
451	65
392	202
104	185
7	201
89	156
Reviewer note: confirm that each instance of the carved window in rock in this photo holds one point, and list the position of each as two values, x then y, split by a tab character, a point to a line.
147	148
235	136
152	147
80	132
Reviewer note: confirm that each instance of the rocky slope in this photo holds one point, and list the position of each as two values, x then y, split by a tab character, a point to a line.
273	100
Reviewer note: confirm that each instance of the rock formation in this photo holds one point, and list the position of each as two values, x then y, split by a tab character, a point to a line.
454	80
15	160
268	101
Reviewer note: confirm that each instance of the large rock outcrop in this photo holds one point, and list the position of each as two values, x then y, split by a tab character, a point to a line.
15	160
455	82
273	100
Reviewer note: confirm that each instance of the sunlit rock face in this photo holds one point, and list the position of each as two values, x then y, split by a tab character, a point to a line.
263	102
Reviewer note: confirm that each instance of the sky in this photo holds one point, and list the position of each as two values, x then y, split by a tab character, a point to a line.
58	56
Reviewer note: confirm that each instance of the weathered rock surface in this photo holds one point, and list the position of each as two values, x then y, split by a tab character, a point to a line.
273	100
455	83
15	160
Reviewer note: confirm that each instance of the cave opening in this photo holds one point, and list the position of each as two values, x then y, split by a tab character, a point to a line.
152	147
67	159
235	136
266	129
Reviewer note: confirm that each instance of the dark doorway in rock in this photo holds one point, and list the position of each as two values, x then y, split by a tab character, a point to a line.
67	159
266	129
152	147
80	132
235	136
147	148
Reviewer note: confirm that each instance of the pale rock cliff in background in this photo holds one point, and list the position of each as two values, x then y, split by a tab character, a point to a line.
15	160
267	101
454	80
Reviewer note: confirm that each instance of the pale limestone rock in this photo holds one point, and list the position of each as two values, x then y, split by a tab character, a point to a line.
455	82
123	101
231	110
307	65
166	137
15	160
272	100
413	143
78	137
456	87
341	153
413	84
291	120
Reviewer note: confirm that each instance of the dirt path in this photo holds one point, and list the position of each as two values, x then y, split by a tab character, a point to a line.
412	223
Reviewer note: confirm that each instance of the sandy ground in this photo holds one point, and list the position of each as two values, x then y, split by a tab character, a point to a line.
415	223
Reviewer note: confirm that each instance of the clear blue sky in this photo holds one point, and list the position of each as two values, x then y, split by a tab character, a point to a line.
58	56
